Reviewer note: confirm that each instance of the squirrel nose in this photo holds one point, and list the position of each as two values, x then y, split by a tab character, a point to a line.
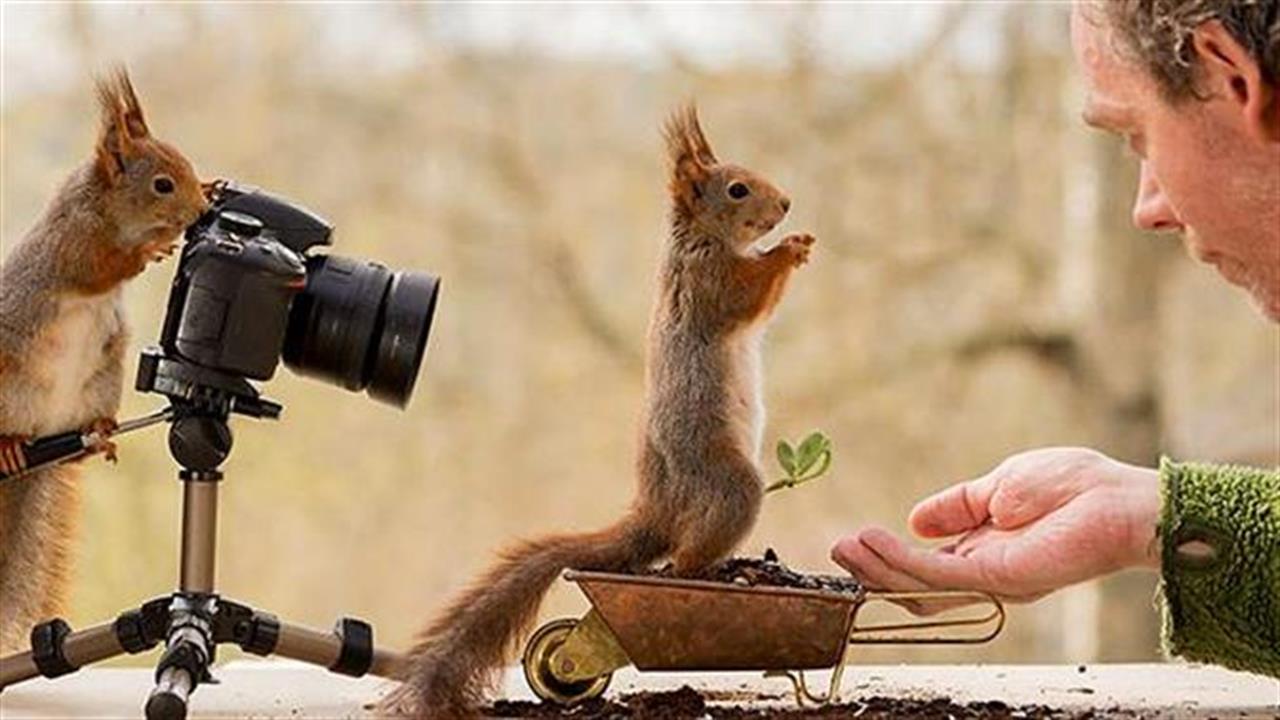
786	204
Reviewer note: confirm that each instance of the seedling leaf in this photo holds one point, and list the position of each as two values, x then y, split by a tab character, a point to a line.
822	468
807	462
810	451
787	458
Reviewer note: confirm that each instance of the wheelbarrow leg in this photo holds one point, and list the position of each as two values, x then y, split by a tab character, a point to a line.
802	688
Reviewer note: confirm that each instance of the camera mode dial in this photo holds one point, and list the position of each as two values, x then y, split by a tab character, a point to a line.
239	224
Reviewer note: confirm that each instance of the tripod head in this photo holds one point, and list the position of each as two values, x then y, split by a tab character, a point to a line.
200	403
202	400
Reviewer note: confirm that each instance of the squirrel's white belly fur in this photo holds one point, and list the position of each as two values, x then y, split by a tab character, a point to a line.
74	342
747	390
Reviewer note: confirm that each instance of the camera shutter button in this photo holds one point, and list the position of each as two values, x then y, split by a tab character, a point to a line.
238	223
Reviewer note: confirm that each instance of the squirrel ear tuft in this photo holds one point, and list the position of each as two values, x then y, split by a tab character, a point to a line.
121	122
689	154
113	138
685	139
135	123
697	140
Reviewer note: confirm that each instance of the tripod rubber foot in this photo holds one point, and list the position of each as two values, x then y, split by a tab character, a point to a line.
168	700
166	706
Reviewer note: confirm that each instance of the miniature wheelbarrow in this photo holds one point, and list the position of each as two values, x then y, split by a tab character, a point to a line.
694	625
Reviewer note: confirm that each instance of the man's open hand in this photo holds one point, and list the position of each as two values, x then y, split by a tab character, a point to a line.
1040	521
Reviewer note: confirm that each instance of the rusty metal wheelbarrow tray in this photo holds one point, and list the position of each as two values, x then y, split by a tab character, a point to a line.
673	624
665	624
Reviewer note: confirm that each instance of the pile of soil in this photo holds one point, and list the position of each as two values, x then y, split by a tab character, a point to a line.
687	704
769	571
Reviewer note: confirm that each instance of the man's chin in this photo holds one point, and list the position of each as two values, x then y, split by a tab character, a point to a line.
1264	294
1265	297
1268	306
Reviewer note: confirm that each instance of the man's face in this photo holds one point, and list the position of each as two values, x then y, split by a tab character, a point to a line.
1202	174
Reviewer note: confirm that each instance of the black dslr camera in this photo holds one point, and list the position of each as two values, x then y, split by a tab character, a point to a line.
249	291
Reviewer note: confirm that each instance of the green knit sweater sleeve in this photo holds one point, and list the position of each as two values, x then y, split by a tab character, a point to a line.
1221	606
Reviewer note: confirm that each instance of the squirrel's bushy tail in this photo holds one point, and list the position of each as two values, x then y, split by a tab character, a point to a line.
38	517
457	657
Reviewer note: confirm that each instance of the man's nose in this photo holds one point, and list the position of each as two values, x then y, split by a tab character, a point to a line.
1151	209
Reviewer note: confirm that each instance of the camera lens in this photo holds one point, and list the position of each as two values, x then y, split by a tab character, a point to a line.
362	326
406	321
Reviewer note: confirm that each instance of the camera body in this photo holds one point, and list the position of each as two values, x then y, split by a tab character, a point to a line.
229	307
248	292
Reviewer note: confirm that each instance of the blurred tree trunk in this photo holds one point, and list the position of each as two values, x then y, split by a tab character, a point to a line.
1107	288
1119	347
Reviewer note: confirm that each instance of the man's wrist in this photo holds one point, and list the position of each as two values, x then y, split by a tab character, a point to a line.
1142	492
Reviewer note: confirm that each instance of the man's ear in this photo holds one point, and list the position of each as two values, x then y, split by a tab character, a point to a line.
1228	68
688	156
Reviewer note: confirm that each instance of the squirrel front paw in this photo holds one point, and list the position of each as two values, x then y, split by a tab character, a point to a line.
797	246
158	250
12	458
103	428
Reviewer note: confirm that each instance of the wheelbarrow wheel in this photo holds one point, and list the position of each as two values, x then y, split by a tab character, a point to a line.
537	667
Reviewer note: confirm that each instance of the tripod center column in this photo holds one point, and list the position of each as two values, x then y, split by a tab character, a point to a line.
199	530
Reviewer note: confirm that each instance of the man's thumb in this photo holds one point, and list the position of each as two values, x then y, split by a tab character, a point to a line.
957	509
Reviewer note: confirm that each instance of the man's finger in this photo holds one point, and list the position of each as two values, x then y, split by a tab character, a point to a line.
854	555
957	509
1024	498
872	571
939	570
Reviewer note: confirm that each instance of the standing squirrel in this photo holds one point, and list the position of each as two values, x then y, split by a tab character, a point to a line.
700	485
63	335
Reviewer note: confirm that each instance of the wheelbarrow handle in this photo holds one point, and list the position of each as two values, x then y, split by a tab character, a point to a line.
996	615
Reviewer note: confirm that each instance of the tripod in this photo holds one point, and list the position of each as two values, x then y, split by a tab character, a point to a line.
194	620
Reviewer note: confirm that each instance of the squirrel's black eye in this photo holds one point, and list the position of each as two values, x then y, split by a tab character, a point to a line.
738	190
162	184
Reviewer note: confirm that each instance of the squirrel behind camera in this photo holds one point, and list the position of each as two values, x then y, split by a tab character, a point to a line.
63	334
700	486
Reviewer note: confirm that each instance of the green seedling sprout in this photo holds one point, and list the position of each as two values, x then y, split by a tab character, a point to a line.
806	462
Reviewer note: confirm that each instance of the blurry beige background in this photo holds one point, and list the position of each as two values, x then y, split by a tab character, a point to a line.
976	289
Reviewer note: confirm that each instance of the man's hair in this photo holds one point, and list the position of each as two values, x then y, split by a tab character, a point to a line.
1158	33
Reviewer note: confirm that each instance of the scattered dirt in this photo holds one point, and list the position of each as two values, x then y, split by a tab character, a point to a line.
687	704
768	571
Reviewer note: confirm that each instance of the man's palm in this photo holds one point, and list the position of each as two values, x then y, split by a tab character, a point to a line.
1038	522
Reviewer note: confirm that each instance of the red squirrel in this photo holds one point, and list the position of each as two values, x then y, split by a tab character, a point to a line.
63	335
700	484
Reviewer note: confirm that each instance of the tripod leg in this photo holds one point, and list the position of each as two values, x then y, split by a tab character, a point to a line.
168	701
58	651
191	639
187	656
347	650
